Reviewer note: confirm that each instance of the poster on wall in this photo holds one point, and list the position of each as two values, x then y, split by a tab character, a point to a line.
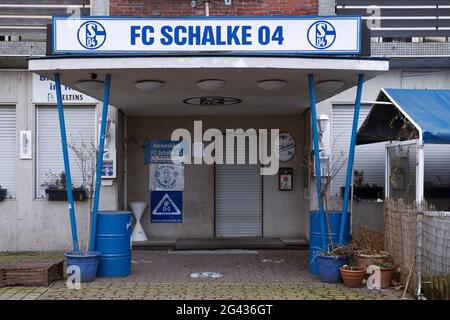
166	206
166	177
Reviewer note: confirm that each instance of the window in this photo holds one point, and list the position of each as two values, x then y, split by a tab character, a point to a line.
80	124
8	144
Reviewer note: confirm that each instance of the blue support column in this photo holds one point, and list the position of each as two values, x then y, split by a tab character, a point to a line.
351	156
98	176
315	132
62	127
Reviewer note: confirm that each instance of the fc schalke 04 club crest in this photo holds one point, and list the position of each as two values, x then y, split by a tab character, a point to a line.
91	35
167	176
321	35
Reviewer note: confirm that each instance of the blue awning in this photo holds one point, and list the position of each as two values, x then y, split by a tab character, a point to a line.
406	114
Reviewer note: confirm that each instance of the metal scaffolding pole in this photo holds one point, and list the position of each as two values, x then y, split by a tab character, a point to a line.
98	177
62	127
351	156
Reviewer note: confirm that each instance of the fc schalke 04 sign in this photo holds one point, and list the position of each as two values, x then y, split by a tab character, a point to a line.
302	35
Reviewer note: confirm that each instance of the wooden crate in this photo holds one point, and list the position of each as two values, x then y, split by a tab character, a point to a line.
32	273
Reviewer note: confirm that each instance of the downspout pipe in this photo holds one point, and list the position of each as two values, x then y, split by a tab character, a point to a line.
62	128
351	156
98	176
318	172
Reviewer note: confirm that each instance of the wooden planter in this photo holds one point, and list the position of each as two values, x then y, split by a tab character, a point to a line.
61	194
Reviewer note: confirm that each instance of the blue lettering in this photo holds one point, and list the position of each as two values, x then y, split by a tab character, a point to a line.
146	38
134	34
219	40
246	35
232	35
194	35
180	40
208	36
167	37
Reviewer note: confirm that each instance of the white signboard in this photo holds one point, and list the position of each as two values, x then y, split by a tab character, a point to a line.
301	35
166	177
44	91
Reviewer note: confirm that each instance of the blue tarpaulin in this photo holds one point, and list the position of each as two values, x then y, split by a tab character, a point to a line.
428	112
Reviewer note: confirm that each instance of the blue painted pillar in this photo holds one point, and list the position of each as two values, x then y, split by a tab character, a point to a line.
351	156
98	173
62	127
315	133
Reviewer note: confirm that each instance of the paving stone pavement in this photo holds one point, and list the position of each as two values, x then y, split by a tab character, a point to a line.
268	274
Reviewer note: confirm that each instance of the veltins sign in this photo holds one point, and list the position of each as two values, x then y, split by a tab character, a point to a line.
301	35
44	91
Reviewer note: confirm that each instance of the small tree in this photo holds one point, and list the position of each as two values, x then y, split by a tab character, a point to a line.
330	168
86	153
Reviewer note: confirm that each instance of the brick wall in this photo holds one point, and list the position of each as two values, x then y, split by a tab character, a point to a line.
238	8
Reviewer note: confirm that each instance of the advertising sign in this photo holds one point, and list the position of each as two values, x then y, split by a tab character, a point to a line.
162	151
277	35
44	91
166	207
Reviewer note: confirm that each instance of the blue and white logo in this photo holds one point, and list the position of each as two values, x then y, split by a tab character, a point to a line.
91	35
321	35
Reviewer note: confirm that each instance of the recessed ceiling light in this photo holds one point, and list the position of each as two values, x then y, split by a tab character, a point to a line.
90	85
210	84
149	85
329	85
272	84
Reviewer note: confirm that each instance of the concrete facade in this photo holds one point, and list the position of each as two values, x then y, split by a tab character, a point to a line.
28	223
283	214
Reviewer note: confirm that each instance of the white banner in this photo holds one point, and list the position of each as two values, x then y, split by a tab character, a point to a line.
302	35
44	91
166	177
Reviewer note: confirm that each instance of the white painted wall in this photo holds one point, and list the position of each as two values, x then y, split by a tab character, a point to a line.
27	223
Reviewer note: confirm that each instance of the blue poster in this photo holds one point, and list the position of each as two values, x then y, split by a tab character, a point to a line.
166	206
163	151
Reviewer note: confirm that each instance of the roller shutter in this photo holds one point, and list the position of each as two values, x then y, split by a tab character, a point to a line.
8	144
369	158
238	199
80	124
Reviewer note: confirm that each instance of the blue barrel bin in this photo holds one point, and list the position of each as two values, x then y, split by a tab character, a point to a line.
113	241
315	235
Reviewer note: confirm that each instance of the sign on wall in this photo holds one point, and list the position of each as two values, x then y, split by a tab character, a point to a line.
303	35
44	91
166	177
166	207
162	151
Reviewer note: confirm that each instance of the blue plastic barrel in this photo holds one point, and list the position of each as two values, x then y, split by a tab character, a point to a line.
315	235
113	241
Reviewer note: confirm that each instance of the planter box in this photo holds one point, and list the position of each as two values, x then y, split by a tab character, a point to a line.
2	194
366	192
437	192
61	194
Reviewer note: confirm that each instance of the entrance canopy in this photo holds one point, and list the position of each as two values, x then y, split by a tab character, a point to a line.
406	114
180	75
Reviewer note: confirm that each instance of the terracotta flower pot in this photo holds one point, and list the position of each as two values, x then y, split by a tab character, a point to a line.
352	276
386	277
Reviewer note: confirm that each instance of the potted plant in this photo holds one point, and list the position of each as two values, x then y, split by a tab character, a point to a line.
56	190
330	263
2	193
86	159
353	277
